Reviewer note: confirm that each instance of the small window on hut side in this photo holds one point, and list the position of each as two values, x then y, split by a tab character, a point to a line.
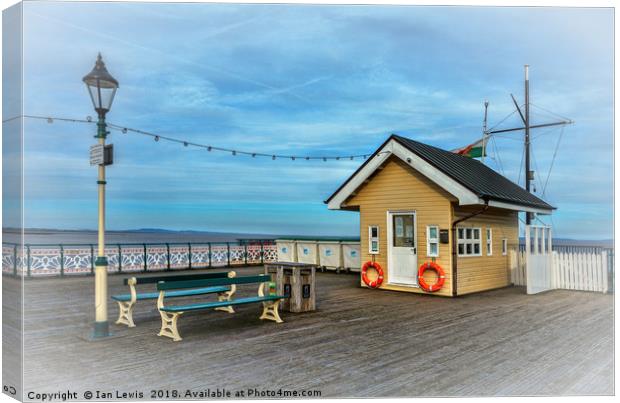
504	247
373	239
432	241
489	242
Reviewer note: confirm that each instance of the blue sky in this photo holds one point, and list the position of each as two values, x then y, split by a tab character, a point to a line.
310	80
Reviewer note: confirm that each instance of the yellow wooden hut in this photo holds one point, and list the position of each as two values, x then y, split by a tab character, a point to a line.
421	205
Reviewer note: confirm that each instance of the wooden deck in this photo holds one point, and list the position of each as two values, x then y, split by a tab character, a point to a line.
359	343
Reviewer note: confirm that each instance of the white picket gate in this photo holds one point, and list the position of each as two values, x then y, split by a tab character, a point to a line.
586	271
538	258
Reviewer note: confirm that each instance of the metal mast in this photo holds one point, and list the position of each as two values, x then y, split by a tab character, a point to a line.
525	117
484	130
528	174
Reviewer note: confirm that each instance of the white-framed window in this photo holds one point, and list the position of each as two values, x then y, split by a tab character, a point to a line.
504	246
489	242
432	241
469	242
373	239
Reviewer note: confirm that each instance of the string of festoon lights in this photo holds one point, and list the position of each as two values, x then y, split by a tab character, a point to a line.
158	137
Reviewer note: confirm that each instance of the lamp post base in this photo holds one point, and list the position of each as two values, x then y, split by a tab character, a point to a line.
101	329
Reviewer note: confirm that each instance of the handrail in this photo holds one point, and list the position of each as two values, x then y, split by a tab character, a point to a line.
38	259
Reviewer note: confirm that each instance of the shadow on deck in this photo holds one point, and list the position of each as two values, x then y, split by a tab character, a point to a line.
359	343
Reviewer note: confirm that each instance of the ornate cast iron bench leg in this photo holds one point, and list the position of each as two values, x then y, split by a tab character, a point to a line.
270	308
125	313
270	311
227	295
168	320
125	308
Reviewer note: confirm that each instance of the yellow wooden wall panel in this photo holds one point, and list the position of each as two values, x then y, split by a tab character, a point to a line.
487	272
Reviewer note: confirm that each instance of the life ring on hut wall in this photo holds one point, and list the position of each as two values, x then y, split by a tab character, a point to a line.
440	274
377	282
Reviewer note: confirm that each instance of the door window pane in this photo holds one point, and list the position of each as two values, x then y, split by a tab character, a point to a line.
404	231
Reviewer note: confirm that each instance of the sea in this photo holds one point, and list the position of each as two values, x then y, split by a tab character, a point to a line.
150	235
52	236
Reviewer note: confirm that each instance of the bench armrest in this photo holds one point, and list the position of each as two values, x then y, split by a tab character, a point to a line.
132	289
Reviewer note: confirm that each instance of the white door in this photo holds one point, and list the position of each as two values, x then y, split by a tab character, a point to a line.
402	258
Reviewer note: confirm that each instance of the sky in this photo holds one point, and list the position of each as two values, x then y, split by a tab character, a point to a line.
305	80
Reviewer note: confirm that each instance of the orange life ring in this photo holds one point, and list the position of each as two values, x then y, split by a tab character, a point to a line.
376	283
440	273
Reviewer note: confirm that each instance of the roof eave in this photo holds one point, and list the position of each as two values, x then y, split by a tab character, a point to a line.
521	207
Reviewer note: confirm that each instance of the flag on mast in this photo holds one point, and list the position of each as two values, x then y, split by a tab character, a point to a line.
473	150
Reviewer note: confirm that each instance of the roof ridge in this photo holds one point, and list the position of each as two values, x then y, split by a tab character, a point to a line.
398	136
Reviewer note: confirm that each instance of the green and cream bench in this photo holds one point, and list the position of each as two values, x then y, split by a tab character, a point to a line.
171	313
126	302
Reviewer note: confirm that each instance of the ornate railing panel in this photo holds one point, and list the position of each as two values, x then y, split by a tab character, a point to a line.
133	258
179	257
219	255
72	259
237	254
156	258
8	259
77	260
45	261
254	254
200	256
270	253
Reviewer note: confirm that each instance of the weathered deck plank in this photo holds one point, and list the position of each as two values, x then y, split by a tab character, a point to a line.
360	342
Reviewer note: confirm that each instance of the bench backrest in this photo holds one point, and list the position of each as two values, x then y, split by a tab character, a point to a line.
177	277
175	285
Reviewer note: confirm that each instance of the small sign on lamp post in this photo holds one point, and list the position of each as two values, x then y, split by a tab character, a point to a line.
96	154
101	154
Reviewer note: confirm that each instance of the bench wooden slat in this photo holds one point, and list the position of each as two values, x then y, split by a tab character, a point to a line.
195	307
178	277
172	294
174	285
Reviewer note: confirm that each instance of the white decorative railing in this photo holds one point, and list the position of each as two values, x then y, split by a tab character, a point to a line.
70	259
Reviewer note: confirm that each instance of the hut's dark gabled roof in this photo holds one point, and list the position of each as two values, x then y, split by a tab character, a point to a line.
470	173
